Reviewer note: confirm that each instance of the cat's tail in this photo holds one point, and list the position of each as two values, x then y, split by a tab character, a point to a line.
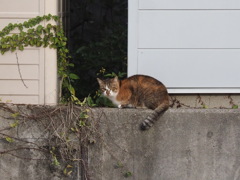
150	120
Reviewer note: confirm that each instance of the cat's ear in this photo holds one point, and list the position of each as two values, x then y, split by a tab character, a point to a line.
115	79
100	82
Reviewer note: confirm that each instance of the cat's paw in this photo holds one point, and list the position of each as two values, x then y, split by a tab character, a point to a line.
120	106
146	124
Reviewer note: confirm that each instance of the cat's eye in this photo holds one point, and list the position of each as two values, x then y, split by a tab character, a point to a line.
114	89
103	89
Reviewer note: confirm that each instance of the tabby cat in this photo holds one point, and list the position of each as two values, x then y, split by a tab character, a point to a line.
137	91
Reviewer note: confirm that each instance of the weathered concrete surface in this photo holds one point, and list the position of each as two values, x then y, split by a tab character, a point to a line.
185	144
24	155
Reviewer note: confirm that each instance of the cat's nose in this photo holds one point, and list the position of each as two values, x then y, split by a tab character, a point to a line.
108	92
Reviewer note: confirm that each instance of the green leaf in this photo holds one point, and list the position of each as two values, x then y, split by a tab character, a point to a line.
111	75
71	65
235	106
82	123
20	47
83	115
73	76
39	44
31	43
10	140
90	102
10	25
127	174
65	171
122	74
15	124
75	100
71	89
55	161
69	166
39	28
74	129
118	165
15	115
204	106
48	17
49	26
30	31
15	37
55	18
13	49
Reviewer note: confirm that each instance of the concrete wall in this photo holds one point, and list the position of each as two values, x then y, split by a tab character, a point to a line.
25	156
188	144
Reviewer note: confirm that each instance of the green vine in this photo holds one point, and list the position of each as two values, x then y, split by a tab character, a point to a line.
33	33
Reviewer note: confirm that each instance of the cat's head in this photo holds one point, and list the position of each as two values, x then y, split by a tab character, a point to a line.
109	87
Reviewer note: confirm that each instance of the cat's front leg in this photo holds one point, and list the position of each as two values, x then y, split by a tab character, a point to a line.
131	106
120	106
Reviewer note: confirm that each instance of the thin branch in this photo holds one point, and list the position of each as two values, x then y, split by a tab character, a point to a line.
19	71
20	148
19	157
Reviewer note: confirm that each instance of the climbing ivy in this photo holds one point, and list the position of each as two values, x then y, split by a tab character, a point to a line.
33	33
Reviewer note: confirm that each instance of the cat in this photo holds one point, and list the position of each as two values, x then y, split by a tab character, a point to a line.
137	91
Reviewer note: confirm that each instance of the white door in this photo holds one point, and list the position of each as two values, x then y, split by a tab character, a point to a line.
27	76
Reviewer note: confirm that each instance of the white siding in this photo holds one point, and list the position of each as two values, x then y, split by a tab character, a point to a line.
192	46
23	74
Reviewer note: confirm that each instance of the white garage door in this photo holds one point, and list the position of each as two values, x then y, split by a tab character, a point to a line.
27	76
192	46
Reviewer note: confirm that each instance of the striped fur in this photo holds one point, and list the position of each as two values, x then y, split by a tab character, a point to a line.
137	91
150	120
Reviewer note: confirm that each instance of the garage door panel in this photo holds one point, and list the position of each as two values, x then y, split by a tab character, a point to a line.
189	29
192	68
19	71
28	56
21	8
17	87
19	99
189	4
